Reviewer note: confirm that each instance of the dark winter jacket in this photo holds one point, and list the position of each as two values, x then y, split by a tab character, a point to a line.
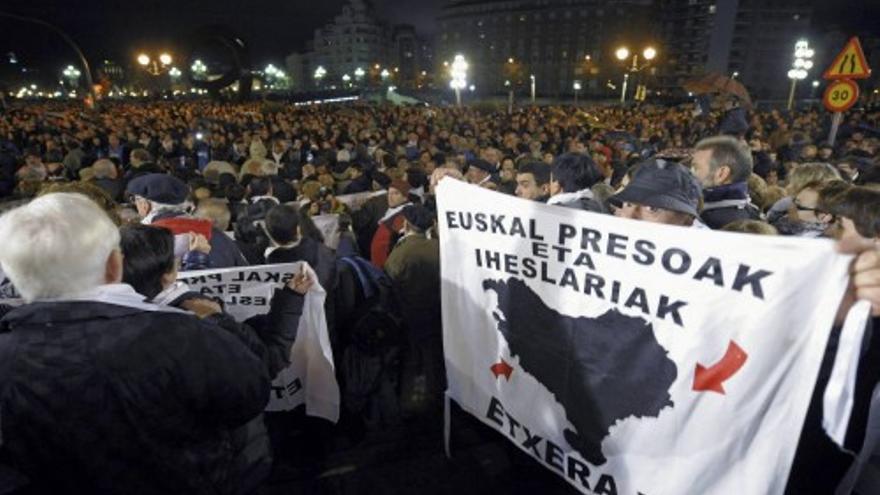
728	203
105	398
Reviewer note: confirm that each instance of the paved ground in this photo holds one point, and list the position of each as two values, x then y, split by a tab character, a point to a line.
408	458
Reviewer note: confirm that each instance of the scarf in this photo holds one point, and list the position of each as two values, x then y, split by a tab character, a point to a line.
563	198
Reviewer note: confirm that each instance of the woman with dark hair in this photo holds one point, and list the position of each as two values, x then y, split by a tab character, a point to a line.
150	267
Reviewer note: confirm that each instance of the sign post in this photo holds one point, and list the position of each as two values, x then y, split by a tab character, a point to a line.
842	93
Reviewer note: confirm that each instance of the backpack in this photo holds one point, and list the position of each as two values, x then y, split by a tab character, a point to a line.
371	348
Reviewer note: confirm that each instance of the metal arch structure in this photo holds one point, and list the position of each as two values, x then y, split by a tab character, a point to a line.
238	56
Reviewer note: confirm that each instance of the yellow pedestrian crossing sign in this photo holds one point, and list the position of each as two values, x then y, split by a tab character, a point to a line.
850	63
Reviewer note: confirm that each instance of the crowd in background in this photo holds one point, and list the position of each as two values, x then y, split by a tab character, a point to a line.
200	185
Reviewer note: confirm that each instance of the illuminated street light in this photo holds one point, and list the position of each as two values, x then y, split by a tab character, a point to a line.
154	65
174	72
198	67
815	84
72	73
577	87
800	66
320	72
346	79
459	76
385	74
359	73
622	54
532	79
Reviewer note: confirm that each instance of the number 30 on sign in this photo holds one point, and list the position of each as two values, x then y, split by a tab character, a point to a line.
840	95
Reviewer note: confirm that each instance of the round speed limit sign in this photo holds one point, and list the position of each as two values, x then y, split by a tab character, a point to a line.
840	95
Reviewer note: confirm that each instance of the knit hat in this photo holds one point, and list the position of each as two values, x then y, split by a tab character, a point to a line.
419	217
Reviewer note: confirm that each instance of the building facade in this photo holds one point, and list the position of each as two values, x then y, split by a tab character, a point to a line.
355	40
752	40
556	41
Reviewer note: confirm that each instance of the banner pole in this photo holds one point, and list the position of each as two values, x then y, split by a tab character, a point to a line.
835	125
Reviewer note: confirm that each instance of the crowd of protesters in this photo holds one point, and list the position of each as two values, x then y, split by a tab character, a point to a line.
104	208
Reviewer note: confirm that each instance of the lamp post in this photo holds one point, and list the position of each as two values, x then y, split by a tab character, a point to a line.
459	77
320	72
198	68
72	74
622	53
802	63
155	66
346	80
532	79
577	88
359	74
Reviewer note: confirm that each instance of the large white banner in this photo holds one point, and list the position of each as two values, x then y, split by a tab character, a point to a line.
247	292
631	357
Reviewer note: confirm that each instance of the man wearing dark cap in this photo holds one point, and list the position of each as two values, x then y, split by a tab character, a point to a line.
660	191
480	172
161	199
414	269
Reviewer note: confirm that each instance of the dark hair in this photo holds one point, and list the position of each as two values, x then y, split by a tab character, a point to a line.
870	175
859	204
282	222
539	170
575	171
148	253
260	186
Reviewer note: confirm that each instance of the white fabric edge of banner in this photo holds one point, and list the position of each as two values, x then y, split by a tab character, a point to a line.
837	400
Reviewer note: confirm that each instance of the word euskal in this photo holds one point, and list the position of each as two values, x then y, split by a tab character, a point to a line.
576	248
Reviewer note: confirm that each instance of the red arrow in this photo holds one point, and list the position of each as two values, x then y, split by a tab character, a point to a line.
501	368
712	378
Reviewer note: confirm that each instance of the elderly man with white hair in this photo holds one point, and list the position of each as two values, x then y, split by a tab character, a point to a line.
103	393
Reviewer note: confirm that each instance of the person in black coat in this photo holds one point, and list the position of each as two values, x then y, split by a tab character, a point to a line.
289	245
126	397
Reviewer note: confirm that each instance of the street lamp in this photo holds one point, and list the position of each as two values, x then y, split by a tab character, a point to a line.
385	75
72	73
802	63
577	87
320	72
459	76
532	79
622	53
155	66
198	67
346	79
359	74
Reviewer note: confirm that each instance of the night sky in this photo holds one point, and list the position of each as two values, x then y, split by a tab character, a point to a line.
119	29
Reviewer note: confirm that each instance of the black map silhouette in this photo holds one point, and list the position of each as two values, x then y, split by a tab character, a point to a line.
601	370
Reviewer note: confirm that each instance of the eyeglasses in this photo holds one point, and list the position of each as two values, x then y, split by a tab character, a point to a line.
801	207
